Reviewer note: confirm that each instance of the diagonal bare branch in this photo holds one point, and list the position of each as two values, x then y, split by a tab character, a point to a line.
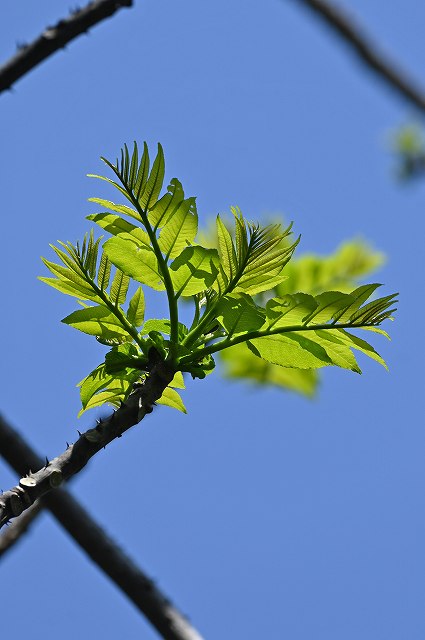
34	485
102	550
366	50
56	37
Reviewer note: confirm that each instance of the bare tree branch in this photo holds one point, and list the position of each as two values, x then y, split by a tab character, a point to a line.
102	550
366	50
34	485
56	37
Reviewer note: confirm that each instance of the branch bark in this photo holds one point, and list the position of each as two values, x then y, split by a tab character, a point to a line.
56	37
34	485
102	550
365	49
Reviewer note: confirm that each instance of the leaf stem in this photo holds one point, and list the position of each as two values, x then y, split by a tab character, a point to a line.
115	308
172	301
252	335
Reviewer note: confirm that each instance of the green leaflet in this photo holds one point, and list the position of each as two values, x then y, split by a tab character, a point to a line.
70	288
289	310
96	321
112	182
359	296
361	345
136	262
104	273
177	382
194	270
123	359
116	392
76	275
163	326
119	208
238	313
100	387
119	288
93	382
166	206
136	308
227	250
290	350
171	398
253	262
337	349
180	230
331	307
149	194
115	225
75	285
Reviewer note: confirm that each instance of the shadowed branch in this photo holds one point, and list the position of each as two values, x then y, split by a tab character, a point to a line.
56	37
34	485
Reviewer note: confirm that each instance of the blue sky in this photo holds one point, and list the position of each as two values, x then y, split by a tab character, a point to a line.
261	514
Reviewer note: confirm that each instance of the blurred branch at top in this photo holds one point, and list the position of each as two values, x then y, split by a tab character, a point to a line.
365	49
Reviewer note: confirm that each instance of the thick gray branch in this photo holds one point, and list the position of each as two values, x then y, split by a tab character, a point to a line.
140	589
366	50
34	485
56	37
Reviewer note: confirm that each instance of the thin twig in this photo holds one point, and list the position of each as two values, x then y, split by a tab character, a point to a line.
366	50
102	550
56	37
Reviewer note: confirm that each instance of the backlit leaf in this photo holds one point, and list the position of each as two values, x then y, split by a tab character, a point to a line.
96	321
171	398
136	308
194	270
138	263
180	230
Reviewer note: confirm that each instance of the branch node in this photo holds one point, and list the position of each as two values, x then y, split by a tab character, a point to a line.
27	482
55	478
16	505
